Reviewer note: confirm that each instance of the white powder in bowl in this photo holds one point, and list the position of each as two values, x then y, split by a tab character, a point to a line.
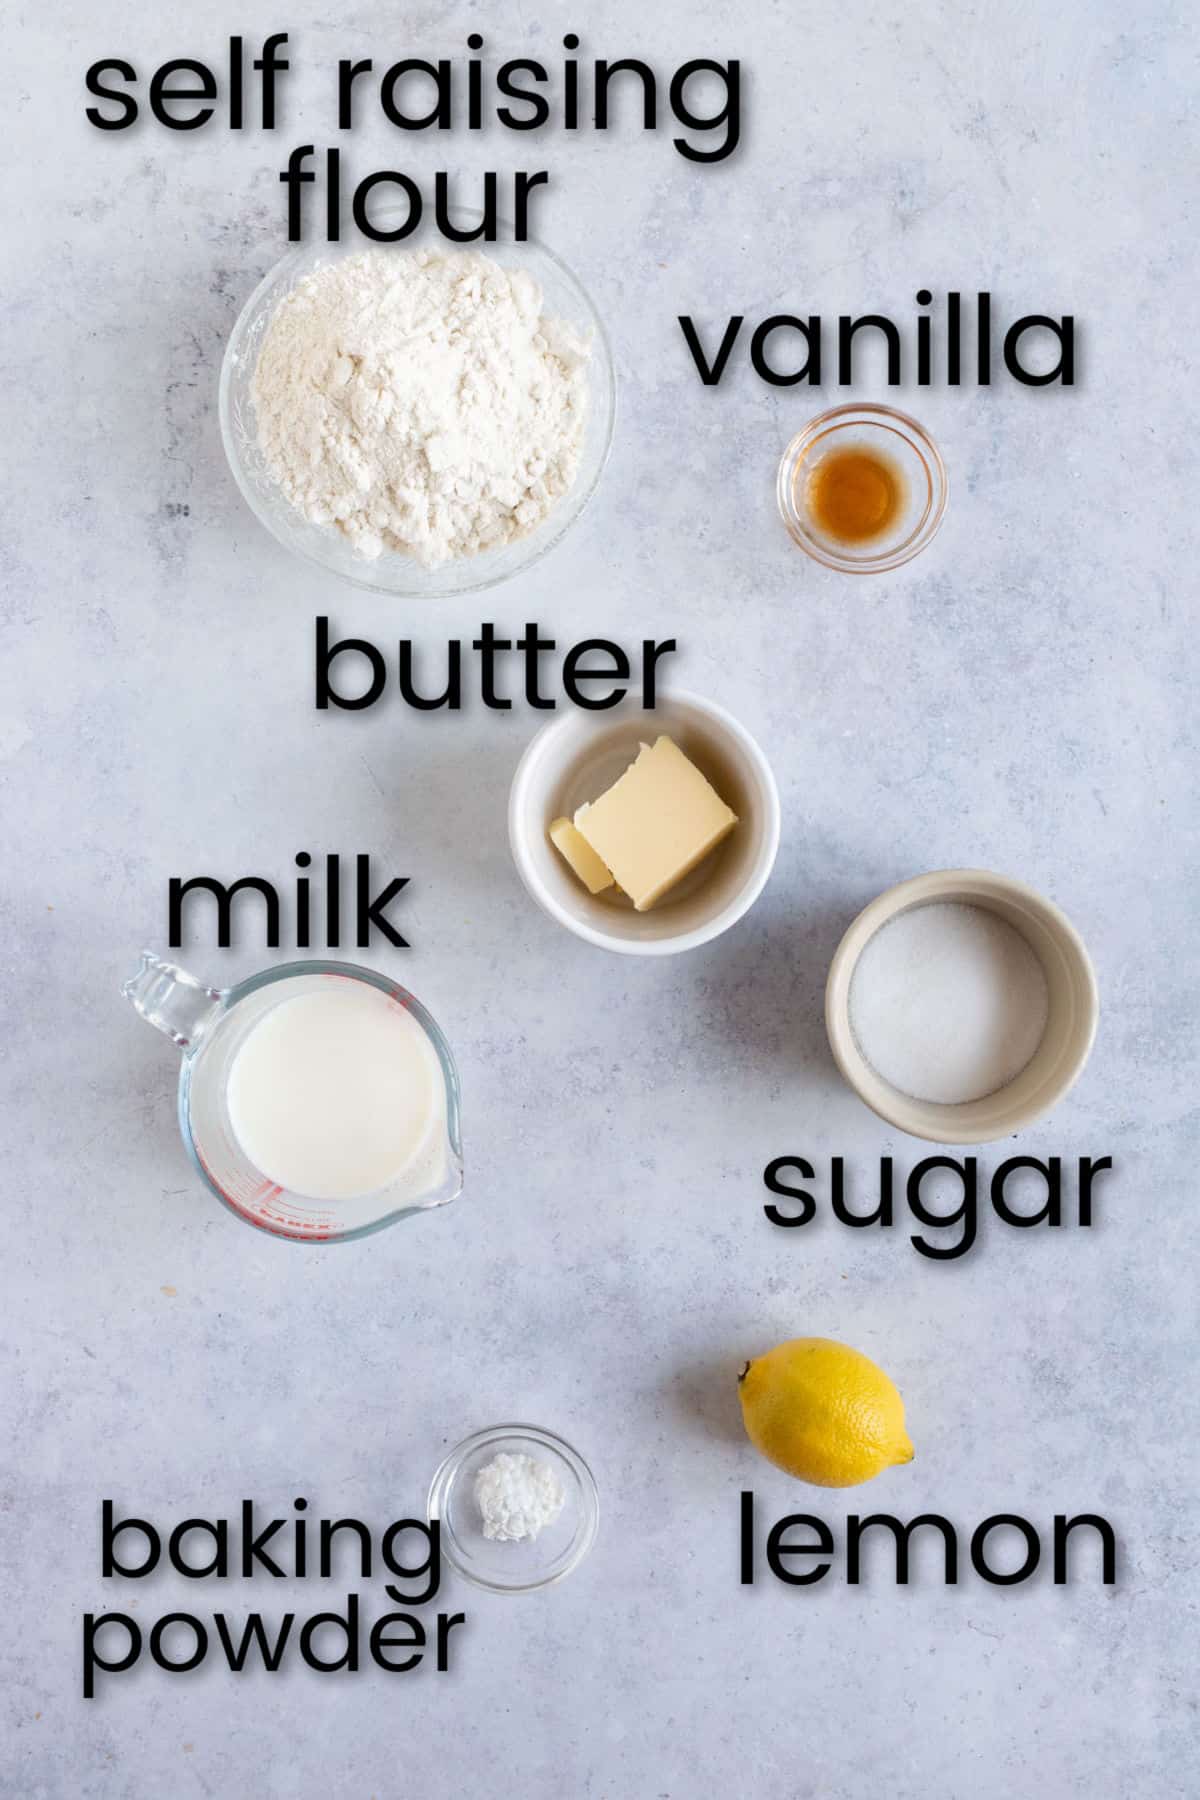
948	1003
517	1497
421	402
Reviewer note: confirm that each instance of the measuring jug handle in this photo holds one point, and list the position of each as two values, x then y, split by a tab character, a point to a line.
173	1000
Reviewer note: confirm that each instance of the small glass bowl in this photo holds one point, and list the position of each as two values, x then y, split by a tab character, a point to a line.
891	434
394	572
514	1568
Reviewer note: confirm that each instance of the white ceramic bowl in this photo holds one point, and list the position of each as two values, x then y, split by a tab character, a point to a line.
1070	1027
393	572
580	754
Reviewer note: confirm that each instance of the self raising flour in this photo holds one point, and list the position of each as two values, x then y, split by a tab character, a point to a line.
517	1497
948	1003
421	402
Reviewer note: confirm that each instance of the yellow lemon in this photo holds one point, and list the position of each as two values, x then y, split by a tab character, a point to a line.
825	1413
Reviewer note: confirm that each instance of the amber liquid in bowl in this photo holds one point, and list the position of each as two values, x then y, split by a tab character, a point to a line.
854	495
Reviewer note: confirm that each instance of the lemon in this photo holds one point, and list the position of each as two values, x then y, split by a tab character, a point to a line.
824	1412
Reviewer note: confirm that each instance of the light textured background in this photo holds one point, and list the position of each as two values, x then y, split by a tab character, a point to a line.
1022	698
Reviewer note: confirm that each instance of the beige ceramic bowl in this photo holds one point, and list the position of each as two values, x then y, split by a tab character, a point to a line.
1074	1010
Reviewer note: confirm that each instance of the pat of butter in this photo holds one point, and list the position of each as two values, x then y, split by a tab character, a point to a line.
656	822
574	847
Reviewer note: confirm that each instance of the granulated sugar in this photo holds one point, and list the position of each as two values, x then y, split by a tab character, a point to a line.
948	1003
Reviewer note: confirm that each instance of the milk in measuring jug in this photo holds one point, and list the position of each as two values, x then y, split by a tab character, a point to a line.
337	1093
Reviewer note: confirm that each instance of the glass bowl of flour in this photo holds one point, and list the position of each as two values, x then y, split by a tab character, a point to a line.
518	1508
423	418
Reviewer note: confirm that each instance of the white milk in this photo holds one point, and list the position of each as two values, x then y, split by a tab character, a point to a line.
337	1093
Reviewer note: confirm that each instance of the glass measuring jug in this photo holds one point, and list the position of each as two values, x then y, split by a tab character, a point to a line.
212	1025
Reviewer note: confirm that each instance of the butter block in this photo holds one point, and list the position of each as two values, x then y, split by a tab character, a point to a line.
574	847
656	822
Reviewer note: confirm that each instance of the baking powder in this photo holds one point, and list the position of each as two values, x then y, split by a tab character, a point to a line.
517	1496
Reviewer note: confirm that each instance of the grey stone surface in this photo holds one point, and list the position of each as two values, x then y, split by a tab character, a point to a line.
1023	698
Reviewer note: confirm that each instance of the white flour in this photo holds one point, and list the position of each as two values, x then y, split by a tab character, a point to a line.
421	402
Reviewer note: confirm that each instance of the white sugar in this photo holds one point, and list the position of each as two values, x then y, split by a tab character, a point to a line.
948	1003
